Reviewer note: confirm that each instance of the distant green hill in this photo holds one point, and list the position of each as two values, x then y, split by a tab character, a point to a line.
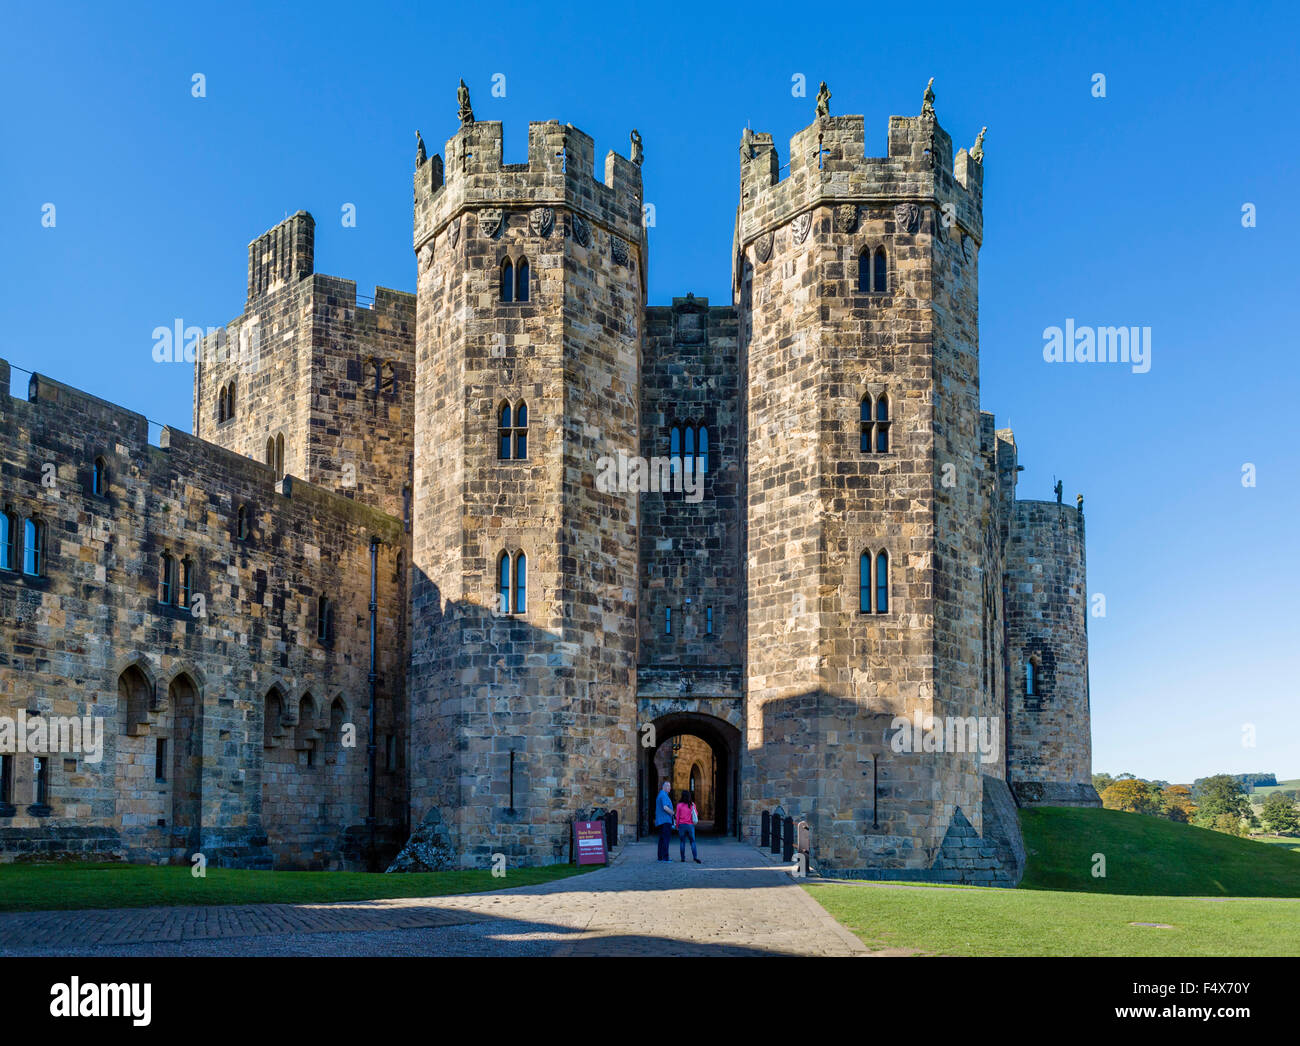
1257	796
1150	855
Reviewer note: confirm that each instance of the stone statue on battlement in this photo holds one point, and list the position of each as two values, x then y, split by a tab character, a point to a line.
420	154
466	111
927	100
977	154
1060	489
746	145
638	150
823	101
1078	501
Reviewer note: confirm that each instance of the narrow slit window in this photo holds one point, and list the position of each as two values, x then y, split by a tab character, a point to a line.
503	583
668	621
521	583
521	280
99	478
708	621
521	430
864	424
34	548
1031	679
882	583
880	272
9	541
864	272
864	583
187	582
160	760
166	572
674	449
703	451
504	417
882	424
507	281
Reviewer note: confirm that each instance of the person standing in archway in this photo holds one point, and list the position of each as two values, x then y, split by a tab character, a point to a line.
687	817
664	820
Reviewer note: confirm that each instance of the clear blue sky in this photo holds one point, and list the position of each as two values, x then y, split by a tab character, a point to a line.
1117	210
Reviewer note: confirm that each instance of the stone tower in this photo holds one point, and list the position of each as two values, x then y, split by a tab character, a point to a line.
1049	751
826	336
523	713
312	378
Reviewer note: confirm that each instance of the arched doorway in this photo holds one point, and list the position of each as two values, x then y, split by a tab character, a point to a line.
694	752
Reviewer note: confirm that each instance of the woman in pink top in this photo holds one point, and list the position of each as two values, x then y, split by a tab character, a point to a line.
685	818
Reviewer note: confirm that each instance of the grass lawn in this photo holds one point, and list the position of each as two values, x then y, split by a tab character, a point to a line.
1290	842
1149	855
1156	872
29	887
1049	922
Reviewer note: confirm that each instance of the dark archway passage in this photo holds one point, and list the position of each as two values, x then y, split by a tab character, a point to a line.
707	749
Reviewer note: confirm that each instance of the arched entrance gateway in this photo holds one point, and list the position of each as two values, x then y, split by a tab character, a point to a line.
696	752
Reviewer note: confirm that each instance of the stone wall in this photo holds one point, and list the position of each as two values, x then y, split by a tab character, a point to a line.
92	636
309	361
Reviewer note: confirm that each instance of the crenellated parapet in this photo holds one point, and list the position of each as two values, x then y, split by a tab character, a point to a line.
473	182
827	167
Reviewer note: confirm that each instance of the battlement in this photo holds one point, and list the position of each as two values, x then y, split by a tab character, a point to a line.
121	434
370	311
559	173
282	255
828	166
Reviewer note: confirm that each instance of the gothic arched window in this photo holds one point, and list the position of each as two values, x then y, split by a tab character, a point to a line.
507	281
9	540
703	452
674	449
521	430
167	579
504	417
864	271
864	583
34	547
1031	678
99	478
882	423
521	583
503	583
882	582
879	272
864	424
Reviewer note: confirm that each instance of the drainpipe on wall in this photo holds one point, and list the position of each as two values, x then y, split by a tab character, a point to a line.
371	746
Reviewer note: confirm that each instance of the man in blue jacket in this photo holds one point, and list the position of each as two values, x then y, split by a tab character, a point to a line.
664	820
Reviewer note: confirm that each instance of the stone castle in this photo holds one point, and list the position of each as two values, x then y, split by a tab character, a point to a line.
411	497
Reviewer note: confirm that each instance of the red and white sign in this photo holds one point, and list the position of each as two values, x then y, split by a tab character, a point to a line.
589	842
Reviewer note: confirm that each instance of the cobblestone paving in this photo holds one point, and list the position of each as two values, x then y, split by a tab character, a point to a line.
736	903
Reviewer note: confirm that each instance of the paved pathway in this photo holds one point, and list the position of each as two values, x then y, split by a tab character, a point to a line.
736	903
